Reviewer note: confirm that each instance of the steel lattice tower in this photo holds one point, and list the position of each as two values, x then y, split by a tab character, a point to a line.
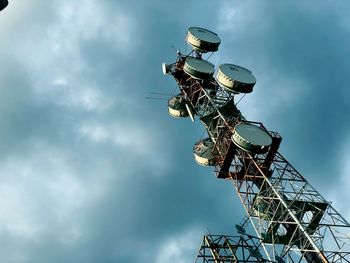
292	221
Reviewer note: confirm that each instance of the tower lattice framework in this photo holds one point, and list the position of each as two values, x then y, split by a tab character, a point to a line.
292	221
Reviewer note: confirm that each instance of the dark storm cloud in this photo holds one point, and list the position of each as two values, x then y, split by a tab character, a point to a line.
86	148
14	91
111	176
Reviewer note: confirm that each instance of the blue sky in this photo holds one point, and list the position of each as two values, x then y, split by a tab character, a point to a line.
91	171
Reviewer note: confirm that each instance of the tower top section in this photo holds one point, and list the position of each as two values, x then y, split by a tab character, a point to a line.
202	40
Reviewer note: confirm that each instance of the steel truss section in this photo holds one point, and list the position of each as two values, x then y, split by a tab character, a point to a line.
287	212
230	249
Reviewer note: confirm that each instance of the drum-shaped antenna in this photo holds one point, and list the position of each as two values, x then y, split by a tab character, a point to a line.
177	107
235	78
199	68
202	40
3	4
204	152
251	138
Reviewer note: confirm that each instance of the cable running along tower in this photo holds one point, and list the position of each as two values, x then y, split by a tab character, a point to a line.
291	220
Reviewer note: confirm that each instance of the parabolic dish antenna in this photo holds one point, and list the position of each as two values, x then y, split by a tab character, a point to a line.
235	78
204	152
166	68
202	40
199	68
251	138
177	107
3	4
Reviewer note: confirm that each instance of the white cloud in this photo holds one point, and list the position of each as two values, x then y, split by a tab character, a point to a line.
233	17
41	192
260	104
134	141
88	19
127	135
178	248
52	52
229	16
95	132
72	95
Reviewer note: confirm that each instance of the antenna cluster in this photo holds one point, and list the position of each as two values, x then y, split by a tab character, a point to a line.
291	220
212	99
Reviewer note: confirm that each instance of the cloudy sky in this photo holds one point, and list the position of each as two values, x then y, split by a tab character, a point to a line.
91	171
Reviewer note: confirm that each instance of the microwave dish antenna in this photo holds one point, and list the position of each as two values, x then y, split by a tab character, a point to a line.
251	138
202	40
177	106
235	78
166	68
199	68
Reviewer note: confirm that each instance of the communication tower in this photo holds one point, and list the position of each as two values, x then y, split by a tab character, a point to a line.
292	221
